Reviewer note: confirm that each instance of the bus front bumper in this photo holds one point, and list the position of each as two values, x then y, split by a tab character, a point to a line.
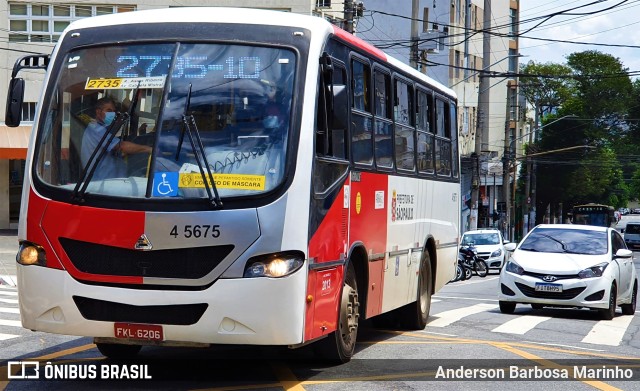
252	311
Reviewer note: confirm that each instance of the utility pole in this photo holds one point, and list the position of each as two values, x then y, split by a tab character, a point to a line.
467	36
415	35
482	123
505	161
348	16
531	184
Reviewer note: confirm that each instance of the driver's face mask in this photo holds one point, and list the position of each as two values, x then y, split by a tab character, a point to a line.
109	117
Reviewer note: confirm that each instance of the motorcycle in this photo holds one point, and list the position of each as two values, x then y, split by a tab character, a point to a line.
470	262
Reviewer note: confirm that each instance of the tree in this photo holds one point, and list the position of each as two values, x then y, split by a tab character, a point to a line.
546	86
600	96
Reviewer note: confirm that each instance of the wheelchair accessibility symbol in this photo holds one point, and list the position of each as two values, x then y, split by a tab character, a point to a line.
165	184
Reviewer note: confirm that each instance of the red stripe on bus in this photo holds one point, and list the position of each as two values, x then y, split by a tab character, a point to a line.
105	227
359	43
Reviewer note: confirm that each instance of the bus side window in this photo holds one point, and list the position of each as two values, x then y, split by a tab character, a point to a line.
425	137
383	120
403	116
361	119
443	140
331	122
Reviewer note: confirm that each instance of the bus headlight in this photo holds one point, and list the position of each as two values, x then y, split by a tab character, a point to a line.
273	265
31	254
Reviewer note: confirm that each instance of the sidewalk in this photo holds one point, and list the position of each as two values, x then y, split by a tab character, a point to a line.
8	250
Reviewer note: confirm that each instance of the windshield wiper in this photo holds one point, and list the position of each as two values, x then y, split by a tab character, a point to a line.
188	121
100	150
112	130
563	244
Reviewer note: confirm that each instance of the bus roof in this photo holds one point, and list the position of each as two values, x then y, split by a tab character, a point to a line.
316	25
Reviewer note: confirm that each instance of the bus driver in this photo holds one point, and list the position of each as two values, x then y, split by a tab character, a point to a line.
112	164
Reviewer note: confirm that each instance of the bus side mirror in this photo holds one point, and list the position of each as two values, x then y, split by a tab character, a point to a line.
15	97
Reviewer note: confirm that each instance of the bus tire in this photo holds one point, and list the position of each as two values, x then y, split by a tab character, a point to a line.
118	351
415	315
340	345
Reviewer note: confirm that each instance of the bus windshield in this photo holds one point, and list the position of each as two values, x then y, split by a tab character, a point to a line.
146	120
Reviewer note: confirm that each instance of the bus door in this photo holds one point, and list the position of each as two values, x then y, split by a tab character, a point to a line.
367	224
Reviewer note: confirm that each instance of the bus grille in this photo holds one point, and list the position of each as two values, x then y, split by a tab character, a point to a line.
108	311
186	263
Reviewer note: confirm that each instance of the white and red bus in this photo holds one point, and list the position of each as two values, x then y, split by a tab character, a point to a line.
266	179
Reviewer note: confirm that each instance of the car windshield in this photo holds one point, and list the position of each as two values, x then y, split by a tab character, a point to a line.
481	239
562	240
168	111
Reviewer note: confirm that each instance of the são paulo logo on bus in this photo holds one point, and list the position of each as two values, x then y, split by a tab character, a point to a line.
402	206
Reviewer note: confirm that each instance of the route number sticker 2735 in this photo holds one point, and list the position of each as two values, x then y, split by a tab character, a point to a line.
196	231
120	83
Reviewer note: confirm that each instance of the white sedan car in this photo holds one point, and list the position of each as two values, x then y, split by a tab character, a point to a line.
490	246
566	265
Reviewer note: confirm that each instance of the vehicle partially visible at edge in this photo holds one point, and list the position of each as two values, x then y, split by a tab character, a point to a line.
632	235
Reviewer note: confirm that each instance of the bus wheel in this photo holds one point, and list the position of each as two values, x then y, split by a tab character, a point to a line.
415	315
117	351
341	344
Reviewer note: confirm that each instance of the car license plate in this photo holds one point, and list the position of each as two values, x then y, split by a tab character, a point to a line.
149	332
548	287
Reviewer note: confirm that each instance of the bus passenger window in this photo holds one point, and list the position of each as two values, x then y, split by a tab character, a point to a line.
360	79
404	136
402	106
425	137
383	124
425	152
361	121
443	140
361	143
405	148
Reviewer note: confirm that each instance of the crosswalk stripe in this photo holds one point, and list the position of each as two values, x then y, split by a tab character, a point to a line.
520	325
8	293
12	323
7	310
447	317
8	301
4	337
609	332
7	288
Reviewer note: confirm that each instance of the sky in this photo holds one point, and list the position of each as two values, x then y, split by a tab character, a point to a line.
619	26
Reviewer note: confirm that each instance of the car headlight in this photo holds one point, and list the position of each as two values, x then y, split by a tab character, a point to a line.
31	254
513	267
496	253
593	271
273	265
